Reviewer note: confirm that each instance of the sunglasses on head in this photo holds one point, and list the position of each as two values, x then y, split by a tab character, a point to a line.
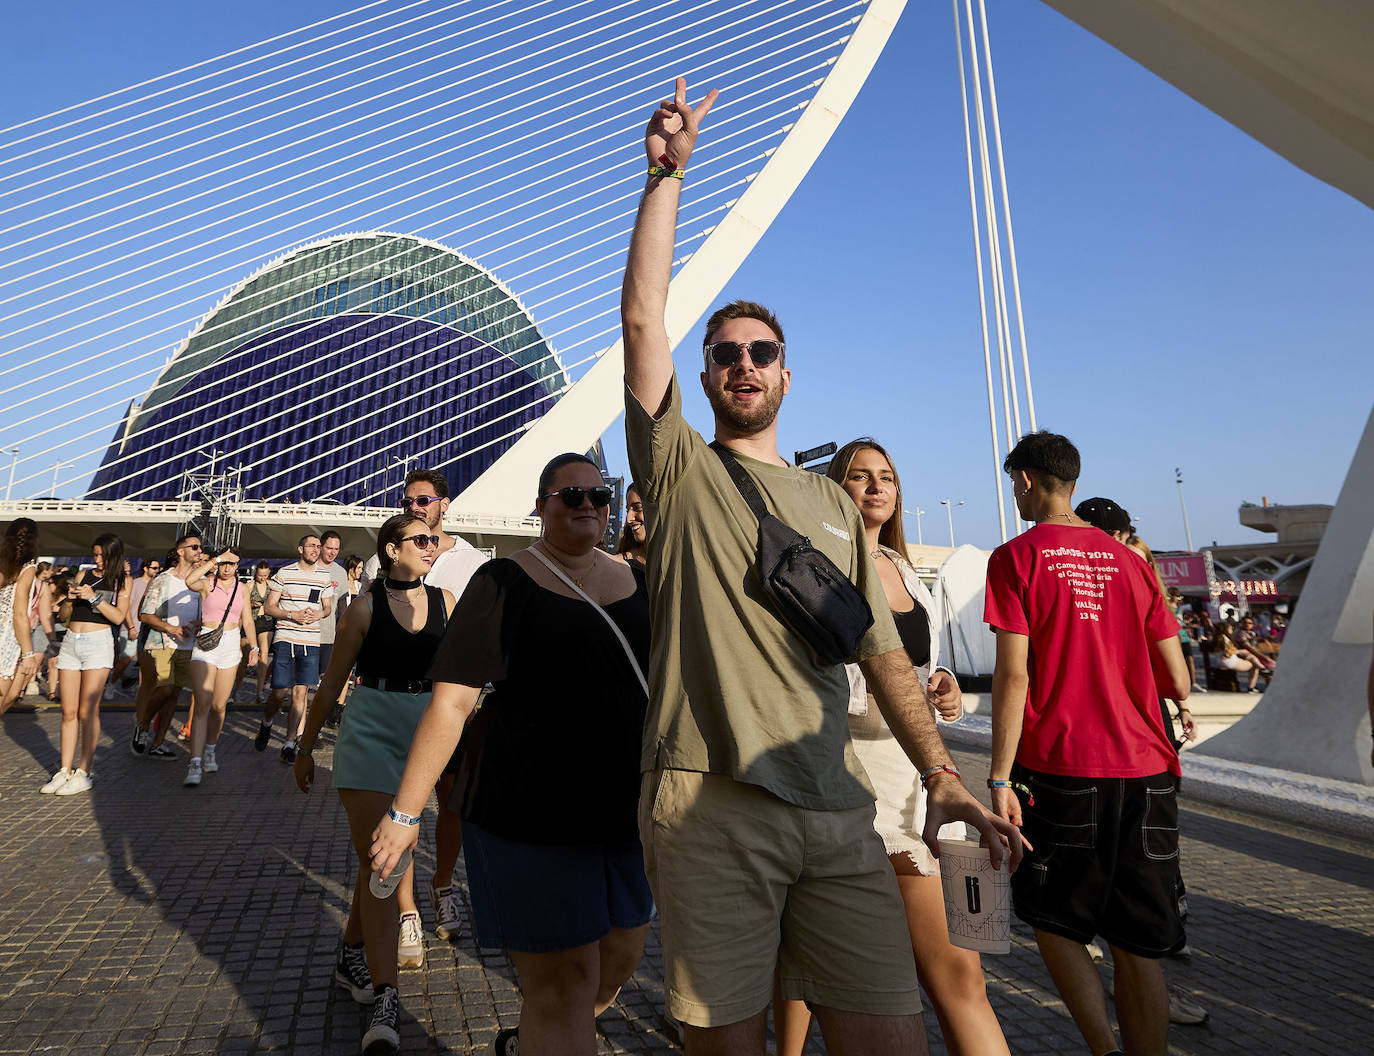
422	501
728	353
423	542
572	496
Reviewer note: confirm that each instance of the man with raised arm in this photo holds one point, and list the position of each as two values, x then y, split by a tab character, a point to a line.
756	818
1085	647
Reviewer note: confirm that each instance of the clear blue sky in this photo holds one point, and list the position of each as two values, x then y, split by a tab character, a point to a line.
1191	299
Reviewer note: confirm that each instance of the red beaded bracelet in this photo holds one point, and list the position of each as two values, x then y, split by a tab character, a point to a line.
943	768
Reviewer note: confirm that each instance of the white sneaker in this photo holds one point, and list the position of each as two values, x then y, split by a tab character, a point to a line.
192	775
208	763
448	913
80	781
109	692
56	781
410	951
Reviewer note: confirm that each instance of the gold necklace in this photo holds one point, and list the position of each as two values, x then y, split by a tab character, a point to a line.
572	573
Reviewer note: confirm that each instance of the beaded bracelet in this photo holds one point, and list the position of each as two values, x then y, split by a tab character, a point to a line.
1030	799
943	768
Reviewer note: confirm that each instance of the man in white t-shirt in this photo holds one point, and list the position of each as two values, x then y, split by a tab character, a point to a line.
426	496
330	543
299	597
171	613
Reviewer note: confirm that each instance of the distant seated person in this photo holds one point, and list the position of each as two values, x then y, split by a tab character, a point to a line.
1233	658
1248	637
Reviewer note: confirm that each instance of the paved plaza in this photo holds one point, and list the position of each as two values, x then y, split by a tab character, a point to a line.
147	918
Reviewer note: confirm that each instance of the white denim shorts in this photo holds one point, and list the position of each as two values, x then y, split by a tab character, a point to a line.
86	651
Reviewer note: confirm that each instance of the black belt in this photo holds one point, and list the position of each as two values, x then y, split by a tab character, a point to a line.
414	686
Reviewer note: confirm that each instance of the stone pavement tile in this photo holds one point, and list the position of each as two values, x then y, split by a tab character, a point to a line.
144	919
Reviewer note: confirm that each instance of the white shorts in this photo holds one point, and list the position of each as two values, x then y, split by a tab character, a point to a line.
1233	663
229	652
86	651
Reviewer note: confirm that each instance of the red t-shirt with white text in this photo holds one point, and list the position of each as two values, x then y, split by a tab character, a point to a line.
1091	608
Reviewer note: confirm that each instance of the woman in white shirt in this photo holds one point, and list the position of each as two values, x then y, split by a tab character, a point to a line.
951	977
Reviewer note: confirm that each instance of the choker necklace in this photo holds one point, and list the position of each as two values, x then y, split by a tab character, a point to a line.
401	584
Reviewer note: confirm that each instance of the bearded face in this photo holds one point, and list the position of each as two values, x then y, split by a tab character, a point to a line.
746	405
745	397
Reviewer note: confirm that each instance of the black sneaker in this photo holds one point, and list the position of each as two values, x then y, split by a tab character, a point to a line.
263	737
288	754
139	744
507	1043
382	1037
162	751
350	972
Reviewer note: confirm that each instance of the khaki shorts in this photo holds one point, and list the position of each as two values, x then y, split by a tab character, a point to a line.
173	666
746	882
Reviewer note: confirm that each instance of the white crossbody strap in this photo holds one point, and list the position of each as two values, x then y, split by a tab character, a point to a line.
629	653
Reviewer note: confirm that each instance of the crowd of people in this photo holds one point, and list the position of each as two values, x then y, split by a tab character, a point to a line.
611	737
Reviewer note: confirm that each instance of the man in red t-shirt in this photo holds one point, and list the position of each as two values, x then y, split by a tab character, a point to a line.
1085	647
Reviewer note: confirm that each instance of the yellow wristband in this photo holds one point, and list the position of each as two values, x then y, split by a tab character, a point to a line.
668	171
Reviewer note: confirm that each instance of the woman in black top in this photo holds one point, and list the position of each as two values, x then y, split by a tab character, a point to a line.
99	601
391	635
548	781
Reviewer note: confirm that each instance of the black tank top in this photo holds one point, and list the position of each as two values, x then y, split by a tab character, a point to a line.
390	651
913	628
85	611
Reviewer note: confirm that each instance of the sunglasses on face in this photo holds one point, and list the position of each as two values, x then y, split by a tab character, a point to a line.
728	353
572	496
422	501
422	542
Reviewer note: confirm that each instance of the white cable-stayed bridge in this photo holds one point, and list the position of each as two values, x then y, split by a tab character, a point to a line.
276	279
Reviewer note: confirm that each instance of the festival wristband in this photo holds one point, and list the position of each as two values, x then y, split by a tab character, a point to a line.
402	819
668	171
1030	799
943	768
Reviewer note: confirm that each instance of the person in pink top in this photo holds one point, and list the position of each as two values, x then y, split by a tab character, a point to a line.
223	603
1086	646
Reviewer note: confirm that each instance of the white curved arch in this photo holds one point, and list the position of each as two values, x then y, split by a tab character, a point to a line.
587	409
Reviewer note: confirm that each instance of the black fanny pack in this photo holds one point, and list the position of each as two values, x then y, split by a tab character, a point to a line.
808	593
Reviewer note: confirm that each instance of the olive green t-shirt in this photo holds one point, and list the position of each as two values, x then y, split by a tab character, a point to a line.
731	689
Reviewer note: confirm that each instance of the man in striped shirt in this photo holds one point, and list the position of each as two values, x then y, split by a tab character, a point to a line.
299	597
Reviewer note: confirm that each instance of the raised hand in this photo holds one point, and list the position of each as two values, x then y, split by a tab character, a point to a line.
673	128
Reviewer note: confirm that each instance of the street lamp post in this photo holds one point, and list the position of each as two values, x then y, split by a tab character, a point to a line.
1187	531
56	469
949	509
13	452
918	513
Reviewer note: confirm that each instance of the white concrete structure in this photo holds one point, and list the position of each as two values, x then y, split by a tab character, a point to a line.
1314	718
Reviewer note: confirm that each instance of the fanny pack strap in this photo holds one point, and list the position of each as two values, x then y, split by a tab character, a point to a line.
743	481
620	637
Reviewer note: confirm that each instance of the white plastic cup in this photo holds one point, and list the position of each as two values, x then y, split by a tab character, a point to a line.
977	897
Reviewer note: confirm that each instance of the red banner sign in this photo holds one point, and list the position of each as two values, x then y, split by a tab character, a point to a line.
1184	571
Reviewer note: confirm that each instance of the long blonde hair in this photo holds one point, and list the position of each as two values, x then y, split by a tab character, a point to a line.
892	534
1137	543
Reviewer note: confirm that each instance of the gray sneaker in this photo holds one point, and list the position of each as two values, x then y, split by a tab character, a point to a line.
350	972
1184	1011
448	913
209	763
382	1037
193	773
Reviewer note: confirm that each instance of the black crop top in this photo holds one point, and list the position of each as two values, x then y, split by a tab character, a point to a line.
913	628
390	651
86	611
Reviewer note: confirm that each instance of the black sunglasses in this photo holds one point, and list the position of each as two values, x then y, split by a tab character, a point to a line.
422	541
728	353
572	496
422	501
